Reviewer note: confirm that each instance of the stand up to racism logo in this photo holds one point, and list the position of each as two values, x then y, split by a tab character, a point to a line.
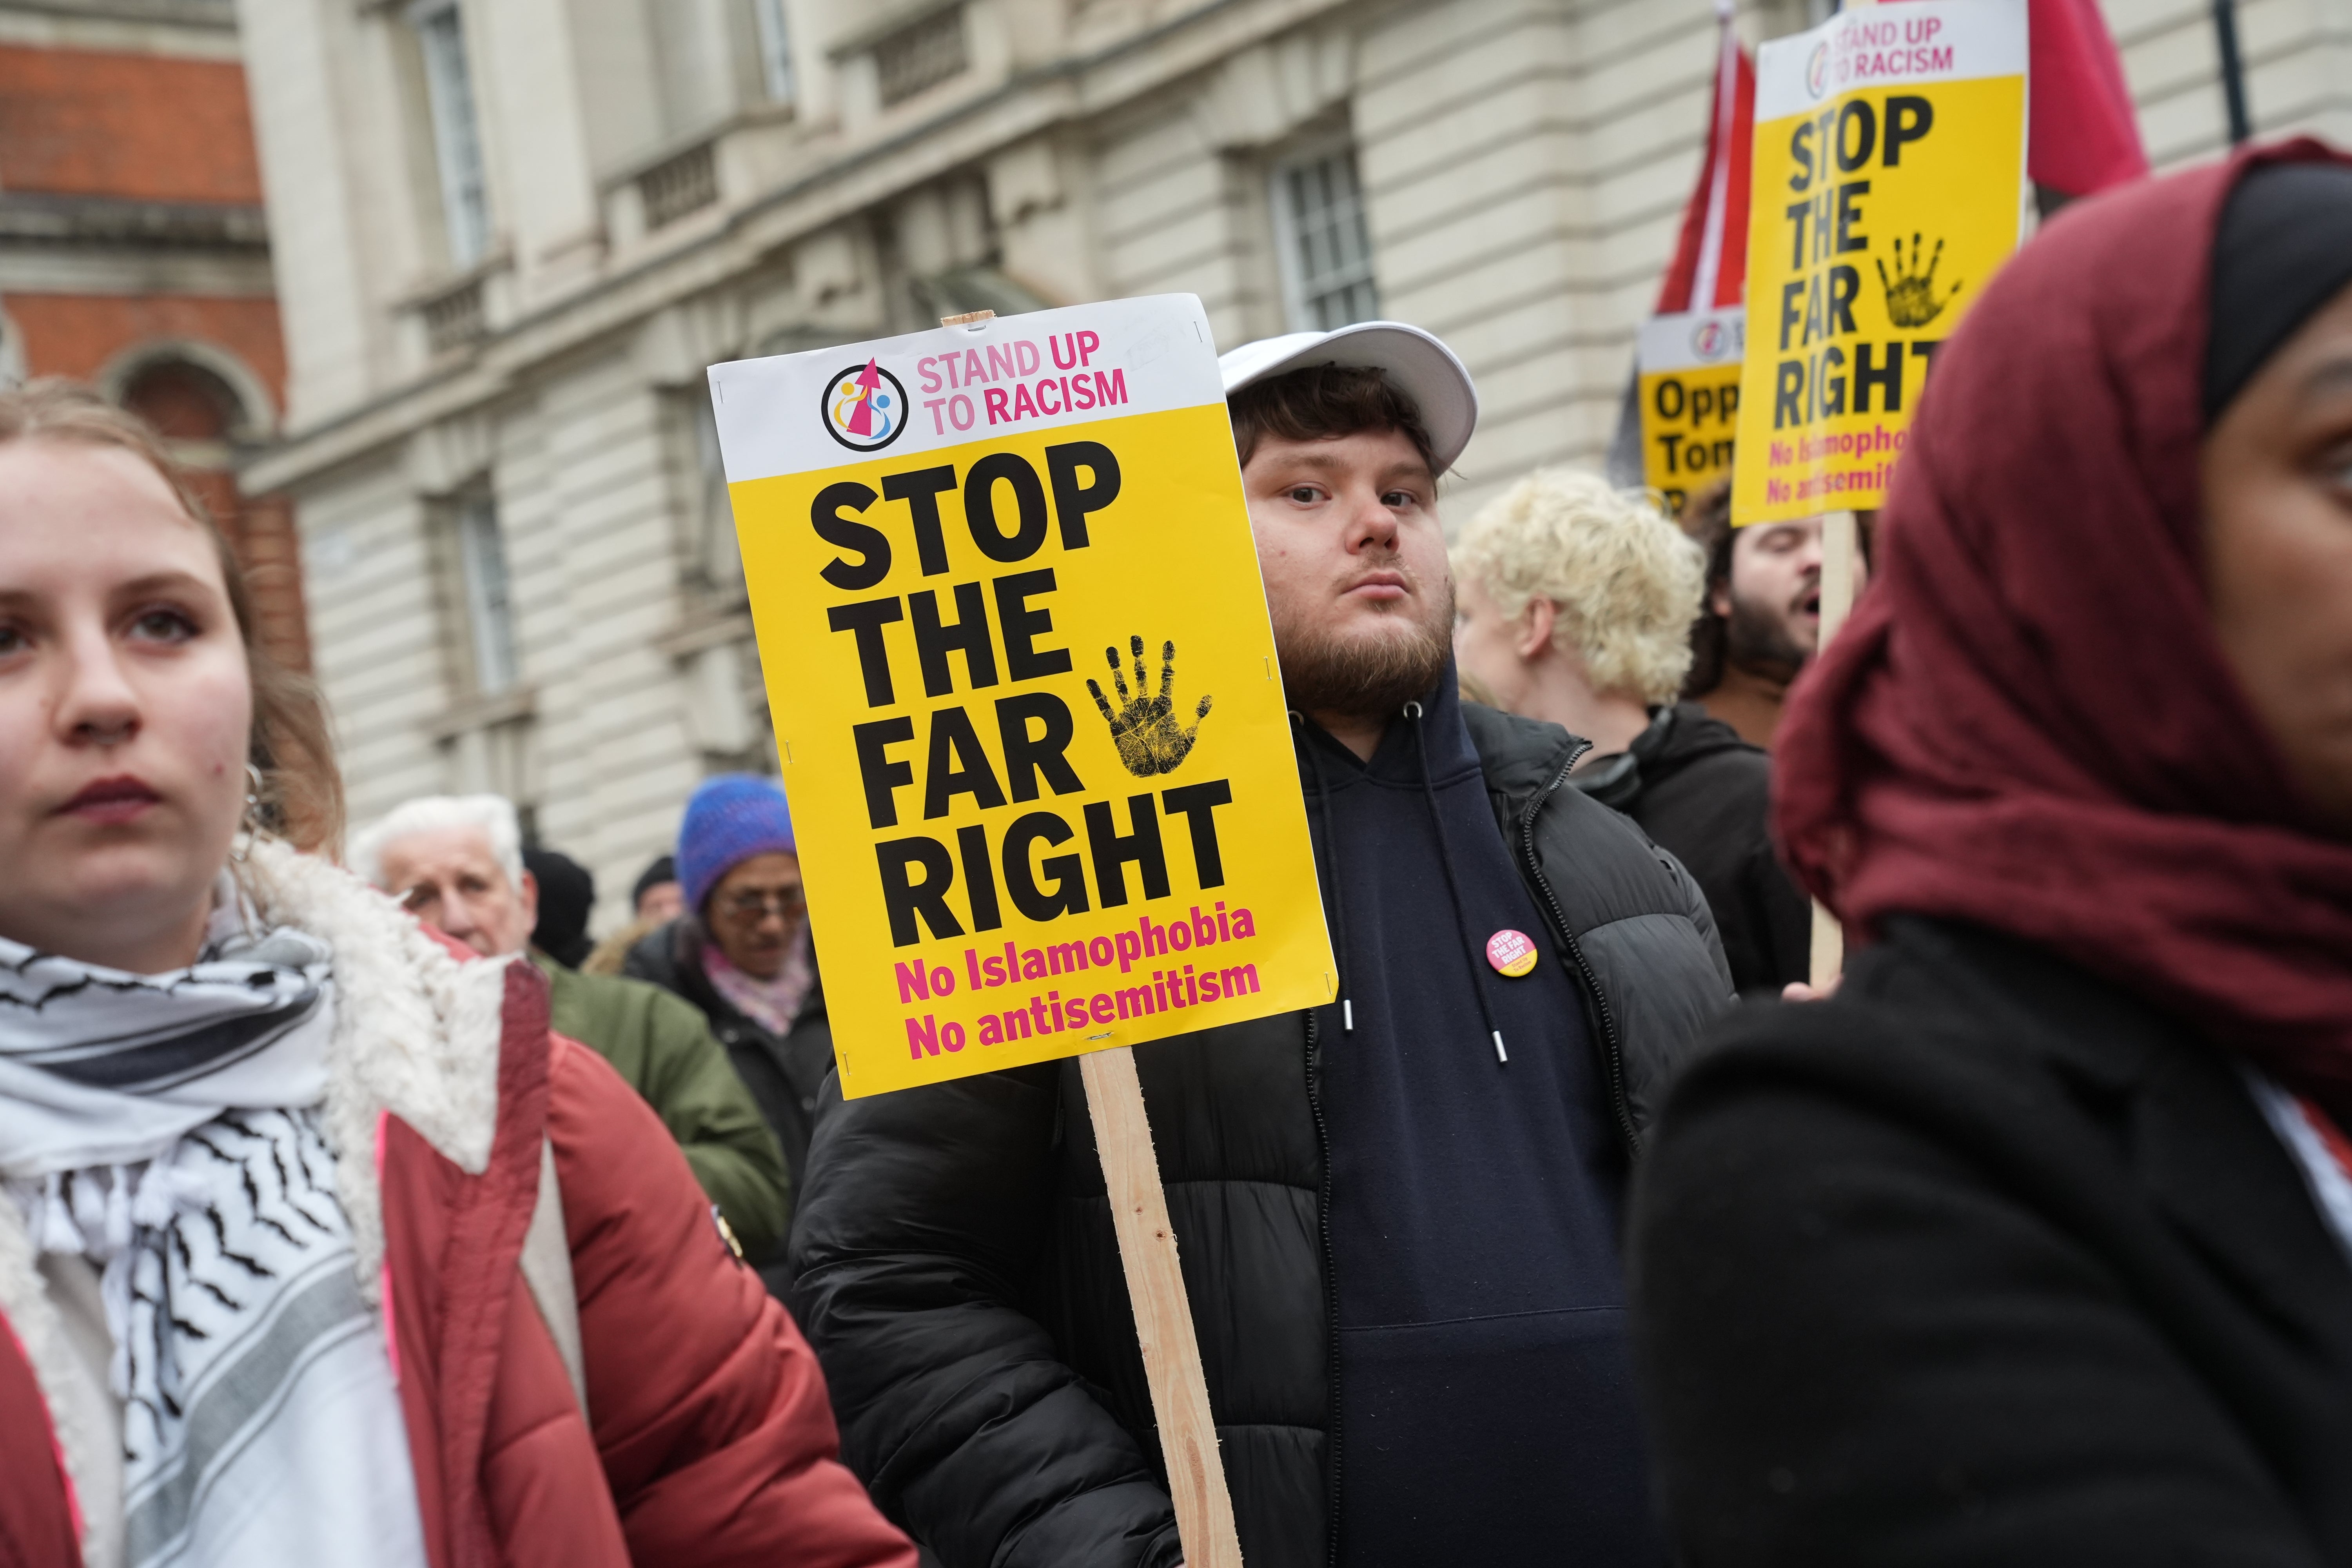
864	407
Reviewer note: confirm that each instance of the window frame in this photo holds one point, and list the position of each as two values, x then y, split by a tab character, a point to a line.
452	108
486	587
714	560
1289	241
773	25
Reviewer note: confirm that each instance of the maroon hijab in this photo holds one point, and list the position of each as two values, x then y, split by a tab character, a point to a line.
2028	722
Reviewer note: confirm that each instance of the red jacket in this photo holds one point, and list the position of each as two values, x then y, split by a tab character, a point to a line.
712	1441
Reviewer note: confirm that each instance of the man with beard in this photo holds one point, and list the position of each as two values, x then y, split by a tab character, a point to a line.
1398	1212
1762	620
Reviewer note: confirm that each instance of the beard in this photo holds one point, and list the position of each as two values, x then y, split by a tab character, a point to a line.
1364	677
1757	638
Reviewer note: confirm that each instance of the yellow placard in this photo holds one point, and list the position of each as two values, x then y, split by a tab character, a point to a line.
1889	185
1022	675
1689	366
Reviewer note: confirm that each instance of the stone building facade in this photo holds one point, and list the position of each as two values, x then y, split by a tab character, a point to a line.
134	253
510	233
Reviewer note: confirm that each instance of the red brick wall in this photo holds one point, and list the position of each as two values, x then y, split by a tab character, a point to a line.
151	127
77	334
263	534
155	128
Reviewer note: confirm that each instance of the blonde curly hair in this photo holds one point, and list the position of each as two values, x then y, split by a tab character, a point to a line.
1626	582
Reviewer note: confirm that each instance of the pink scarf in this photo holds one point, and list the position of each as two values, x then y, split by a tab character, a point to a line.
773	1005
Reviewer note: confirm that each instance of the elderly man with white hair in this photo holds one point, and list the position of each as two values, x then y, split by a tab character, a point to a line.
456	863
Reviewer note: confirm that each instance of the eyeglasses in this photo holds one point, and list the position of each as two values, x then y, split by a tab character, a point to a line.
752	903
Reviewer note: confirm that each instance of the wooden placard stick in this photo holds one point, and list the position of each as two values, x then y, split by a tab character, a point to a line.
1163	1319
1838	545
1837	598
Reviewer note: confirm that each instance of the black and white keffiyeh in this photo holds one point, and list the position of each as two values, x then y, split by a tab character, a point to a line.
167	1128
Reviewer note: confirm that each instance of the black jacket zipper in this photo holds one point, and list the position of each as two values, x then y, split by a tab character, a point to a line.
1612	1055
1330	1292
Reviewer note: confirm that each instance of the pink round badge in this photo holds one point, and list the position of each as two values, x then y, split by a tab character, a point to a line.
1511	953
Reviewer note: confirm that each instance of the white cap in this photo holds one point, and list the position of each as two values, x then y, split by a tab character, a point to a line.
1423	368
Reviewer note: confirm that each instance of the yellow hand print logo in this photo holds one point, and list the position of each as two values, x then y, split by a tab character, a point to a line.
1144	729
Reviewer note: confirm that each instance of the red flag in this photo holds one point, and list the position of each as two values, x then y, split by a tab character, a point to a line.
2082	134
1710	264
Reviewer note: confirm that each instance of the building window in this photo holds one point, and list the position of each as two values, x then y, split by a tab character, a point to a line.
457	133
920	56
775	49
489	599
709	561
196	410
1326	251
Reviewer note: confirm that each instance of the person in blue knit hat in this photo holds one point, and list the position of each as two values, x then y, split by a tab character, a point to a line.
742	952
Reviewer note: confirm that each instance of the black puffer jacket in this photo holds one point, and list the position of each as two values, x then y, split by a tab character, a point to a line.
1706	795
959	1275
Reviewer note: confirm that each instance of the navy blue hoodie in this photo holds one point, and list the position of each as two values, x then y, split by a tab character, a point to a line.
1486	1404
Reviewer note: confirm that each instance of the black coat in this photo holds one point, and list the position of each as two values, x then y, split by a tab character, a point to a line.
785	1075
1706	797
959	1276
1985	1262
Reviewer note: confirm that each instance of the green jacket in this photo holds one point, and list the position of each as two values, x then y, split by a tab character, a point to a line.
663	1047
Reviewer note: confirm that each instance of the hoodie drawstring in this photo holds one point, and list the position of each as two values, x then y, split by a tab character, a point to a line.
1334	900
1461	927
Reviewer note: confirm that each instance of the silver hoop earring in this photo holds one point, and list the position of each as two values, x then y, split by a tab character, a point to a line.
249	824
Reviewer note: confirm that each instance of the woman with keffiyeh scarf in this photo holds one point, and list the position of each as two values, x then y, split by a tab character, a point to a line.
317	1245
